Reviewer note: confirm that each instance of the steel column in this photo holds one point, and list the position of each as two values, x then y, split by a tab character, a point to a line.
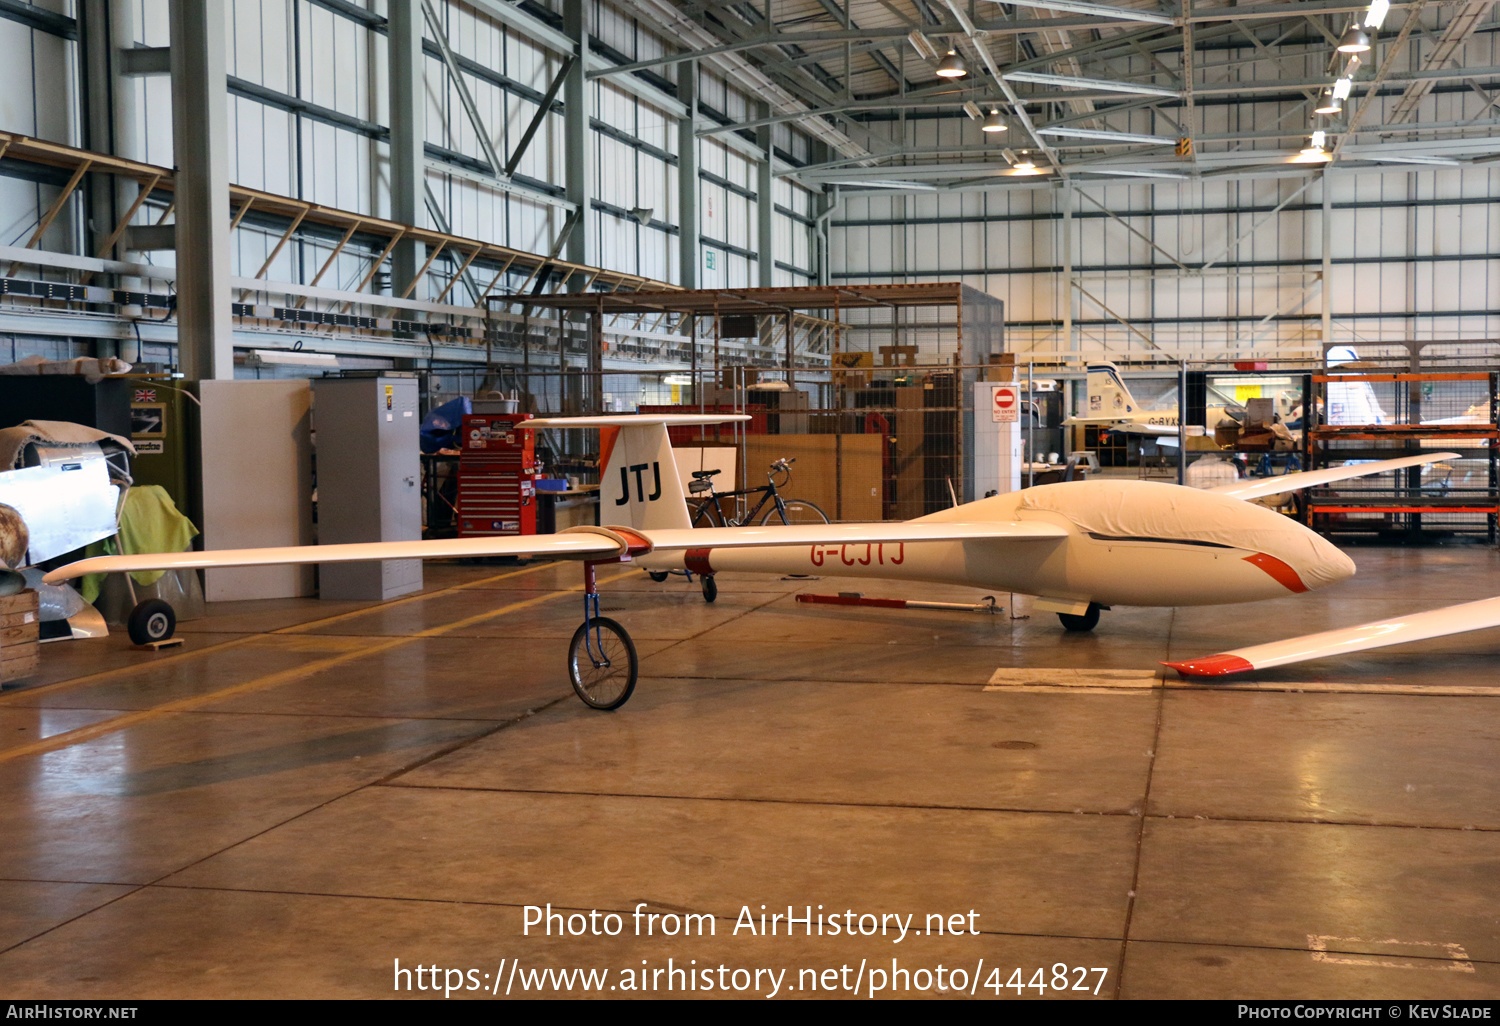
408	106
687	176
200	137
578	142
765	205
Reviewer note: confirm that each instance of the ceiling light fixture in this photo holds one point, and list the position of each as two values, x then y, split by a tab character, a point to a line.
973	110
1342	88
1378	10
1101	136
1356	40
995	123
1100	84
1328	103
952	66
922	45
1315	152
1026	166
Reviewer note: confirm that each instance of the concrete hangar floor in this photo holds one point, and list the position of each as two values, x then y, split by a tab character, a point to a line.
308	792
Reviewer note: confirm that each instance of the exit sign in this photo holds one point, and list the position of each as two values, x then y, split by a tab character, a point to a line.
710	259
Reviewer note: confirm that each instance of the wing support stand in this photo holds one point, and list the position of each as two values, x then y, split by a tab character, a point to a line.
602	662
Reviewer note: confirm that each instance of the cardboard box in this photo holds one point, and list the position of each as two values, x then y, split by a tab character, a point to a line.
20	649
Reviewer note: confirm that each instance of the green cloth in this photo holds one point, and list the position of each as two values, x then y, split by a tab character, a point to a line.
149	522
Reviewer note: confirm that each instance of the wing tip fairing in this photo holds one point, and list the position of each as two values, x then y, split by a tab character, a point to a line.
1211	666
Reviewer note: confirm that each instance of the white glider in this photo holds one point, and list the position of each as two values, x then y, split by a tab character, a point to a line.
1079	547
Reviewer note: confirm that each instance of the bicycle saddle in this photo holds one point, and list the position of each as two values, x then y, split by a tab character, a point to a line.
704	475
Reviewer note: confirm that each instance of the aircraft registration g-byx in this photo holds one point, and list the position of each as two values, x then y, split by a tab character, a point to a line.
1079	547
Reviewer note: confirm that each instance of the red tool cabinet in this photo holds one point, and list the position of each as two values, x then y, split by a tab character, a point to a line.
496	474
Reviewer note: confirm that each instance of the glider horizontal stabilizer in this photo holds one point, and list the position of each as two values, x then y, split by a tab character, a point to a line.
1435	623
1258	487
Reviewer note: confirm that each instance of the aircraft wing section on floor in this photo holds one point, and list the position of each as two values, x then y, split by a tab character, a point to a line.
1435	623
1255	488
850	534
563	546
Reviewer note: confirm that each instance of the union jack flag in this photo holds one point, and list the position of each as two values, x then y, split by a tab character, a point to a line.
144	395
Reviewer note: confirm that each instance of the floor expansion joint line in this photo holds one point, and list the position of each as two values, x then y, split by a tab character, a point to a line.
89	733
246	637
816	802
464	743
299	628
1140	836
134	889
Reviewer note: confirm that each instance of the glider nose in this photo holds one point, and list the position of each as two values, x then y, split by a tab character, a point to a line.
1327	564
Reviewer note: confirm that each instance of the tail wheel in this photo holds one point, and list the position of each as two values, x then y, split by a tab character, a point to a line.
1086	621
602	663
798	511
710	587
658	575
152	620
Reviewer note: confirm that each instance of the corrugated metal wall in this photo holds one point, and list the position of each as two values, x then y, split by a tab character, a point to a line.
1415	250
308	107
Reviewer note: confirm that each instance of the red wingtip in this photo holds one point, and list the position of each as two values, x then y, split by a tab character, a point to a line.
1211	666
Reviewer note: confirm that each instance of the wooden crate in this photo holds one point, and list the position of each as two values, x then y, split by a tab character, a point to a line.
840	475
20	653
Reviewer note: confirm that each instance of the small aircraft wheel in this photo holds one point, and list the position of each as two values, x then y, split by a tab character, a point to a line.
658	575
1082	621
152	620
605	678
710	587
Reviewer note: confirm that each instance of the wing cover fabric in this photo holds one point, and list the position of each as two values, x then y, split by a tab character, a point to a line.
1248	489
1435	623
841	534
561	545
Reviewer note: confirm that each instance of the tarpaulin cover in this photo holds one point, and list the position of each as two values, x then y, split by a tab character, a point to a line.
1143	509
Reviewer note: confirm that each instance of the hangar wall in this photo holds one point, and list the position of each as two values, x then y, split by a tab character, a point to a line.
309	118
1413	247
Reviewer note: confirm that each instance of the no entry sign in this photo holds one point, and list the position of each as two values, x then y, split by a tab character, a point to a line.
1006	408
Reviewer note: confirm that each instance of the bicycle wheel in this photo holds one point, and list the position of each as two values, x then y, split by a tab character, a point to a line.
798	511
707	515
605	679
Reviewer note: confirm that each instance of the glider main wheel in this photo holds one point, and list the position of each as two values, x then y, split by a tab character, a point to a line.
658	575
1081	621
602	663
152	620
710	587
798	511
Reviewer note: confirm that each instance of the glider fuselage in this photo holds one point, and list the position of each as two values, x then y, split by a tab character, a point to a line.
1128	543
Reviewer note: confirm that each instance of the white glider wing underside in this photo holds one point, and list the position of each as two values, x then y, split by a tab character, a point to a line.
1435	623
1258	487
569	545
849	534
559	545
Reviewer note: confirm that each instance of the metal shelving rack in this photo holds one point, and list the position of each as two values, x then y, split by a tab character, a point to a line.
1414	500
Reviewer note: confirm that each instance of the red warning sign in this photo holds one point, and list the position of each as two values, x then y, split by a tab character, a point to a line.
1006	405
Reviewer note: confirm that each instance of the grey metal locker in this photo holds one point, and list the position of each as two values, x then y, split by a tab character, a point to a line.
369	475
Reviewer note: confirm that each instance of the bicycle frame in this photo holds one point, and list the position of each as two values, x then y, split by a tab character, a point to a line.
765	491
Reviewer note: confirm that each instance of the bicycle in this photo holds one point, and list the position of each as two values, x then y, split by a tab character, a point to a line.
708	512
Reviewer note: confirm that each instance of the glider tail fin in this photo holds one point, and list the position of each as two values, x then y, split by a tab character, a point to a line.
638	484
1108	395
